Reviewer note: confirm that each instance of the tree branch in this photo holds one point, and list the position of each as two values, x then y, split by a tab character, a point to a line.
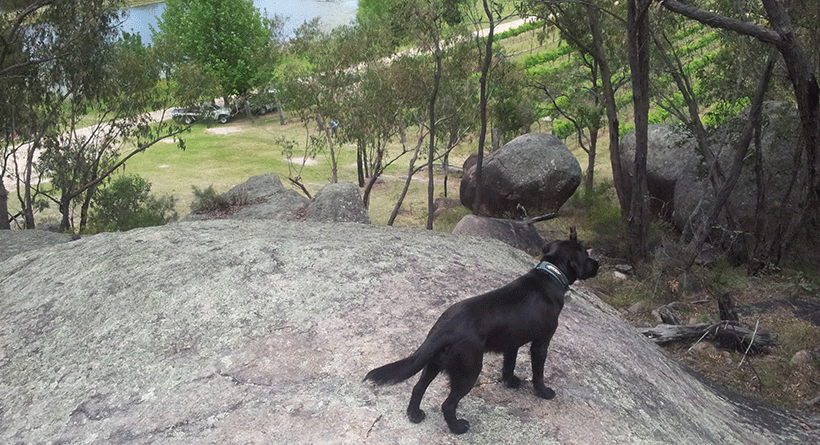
714	20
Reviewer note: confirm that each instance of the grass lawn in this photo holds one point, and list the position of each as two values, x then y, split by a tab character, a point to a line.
224	156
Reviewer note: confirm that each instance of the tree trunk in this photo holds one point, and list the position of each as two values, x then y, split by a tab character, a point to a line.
410	170
482	105
28	204
742	147
621	186
360	148
590	176
375	171
333	167
65	211
5	222
638	41
432	154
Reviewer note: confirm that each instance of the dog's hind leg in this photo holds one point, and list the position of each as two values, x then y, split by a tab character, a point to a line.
463	376
507	370
414	412
538	356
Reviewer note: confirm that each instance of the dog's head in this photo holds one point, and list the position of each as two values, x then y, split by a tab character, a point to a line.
571	257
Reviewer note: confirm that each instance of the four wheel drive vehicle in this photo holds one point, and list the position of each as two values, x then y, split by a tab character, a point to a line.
264	109
203	112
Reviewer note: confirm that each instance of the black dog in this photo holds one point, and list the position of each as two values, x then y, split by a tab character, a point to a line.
502	320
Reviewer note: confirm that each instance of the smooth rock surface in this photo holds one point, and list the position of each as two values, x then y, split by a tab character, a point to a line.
518	234
340	202
260	332
534	170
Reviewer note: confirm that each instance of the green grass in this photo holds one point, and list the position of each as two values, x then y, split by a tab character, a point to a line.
252	147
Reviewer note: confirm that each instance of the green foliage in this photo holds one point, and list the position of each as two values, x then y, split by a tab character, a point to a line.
126	203
227	37
208	200
563	129
515	32
605	216
375	10
547	57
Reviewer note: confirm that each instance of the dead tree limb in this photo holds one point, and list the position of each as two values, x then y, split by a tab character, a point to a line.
726	333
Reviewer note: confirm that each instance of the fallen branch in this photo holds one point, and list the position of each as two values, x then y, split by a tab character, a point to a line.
750	344
727	333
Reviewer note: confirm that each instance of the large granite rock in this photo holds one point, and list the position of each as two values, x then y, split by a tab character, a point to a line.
694	194
260	197
341	202
13	242
518	234
681	192
671	155
535	170
260	332
266	198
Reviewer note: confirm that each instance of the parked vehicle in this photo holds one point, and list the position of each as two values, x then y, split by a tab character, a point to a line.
208	111
264	109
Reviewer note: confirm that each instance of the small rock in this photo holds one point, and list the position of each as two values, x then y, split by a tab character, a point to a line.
624	269
515	233
803	357
637	307
706	348
667	314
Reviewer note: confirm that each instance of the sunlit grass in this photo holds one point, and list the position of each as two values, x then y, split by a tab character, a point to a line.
252	147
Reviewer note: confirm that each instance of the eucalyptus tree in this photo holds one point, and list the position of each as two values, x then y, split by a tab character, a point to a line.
428	25
231	39
582	89
45	43
60	71
97	133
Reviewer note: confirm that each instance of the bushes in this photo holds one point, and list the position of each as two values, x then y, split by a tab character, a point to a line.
126	203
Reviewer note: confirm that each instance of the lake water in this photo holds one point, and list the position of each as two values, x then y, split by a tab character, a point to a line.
332	13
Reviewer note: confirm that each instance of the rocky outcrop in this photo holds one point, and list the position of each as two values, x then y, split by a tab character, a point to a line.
260	332
535	170
13	242
341	202
518	234
264	197
671	155
694	194
677	173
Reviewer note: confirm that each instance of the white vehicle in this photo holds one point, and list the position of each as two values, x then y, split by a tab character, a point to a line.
204	112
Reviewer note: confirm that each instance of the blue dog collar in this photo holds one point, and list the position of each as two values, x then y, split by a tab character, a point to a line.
551	269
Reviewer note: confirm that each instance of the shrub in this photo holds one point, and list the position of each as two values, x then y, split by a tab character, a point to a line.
126	203
208	200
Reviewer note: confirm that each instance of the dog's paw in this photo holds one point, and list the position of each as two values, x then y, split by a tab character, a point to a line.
544	392
460	426
416	416
511	381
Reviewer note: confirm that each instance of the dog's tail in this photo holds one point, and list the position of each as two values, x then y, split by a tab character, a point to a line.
395	372
405	368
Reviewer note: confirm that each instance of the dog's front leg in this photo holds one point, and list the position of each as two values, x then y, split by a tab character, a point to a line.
538	356
507	370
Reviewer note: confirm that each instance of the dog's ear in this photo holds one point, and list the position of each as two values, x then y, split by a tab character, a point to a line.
550	249
573	236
